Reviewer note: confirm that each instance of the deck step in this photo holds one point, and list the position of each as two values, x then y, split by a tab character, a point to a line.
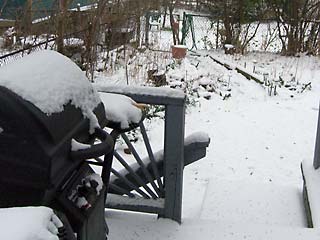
138	204
125	226
249	202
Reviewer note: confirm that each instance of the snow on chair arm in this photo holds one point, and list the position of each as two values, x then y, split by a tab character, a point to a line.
122	112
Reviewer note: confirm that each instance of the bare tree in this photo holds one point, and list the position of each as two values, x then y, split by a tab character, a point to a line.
62	15
240	19
249	32
297	23
170	5
4	4
270	37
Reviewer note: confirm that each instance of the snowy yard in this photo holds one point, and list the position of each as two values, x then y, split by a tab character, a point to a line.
249	186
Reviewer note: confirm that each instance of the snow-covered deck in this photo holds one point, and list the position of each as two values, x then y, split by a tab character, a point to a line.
150	228
223	210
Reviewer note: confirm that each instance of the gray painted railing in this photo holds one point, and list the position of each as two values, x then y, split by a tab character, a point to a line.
316	160
168	202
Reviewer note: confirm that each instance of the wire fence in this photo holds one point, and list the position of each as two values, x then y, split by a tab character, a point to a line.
12	56
160	40
115	29
197	32
200	32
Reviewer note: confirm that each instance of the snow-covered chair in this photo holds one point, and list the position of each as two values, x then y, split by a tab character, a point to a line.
155	20
150	173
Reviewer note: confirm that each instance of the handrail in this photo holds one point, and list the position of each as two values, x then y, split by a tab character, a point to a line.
150	95
316	158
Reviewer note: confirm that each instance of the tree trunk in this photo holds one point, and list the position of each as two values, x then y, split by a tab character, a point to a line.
28	18
172	23
227	24
165	14
63	6
3	6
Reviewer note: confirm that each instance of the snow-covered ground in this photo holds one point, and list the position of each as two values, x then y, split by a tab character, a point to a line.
249	186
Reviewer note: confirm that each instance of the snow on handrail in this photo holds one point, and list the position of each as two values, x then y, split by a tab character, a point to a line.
150	95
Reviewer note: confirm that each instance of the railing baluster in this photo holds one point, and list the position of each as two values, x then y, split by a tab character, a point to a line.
120	190
151	157
99	160
125	180
134	175
141	163
130	184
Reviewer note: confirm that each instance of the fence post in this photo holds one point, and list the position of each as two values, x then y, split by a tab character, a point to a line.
316	159
184	29
174	161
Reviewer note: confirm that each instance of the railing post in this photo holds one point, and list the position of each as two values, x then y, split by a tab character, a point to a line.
316	159
174	161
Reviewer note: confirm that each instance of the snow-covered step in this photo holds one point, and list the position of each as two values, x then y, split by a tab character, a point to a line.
247	202
125	226
224	210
